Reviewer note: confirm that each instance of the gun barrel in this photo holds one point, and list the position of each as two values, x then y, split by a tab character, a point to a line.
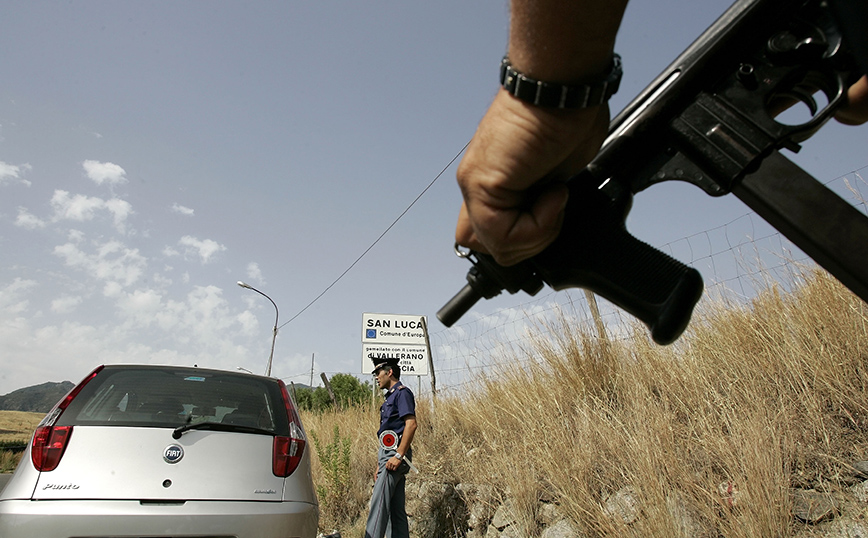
458	305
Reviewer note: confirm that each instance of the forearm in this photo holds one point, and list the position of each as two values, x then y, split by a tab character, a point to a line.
563	40
407	437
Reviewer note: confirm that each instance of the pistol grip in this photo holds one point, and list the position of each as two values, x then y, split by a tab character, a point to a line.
596	252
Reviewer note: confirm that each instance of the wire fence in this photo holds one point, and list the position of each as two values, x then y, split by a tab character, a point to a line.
737	260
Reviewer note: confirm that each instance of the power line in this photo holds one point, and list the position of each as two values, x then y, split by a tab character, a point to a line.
363	254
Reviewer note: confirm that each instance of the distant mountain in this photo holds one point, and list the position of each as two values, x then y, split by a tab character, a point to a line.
38	398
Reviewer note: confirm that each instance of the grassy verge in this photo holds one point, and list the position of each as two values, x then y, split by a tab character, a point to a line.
759	399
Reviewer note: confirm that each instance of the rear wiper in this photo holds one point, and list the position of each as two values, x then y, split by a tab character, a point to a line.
180	430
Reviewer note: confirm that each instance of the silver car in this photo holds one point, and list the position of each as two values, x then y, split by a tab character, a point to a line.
165	451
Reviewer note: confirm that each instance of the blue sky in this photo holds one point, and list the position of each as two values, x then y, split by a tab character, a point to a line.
154	153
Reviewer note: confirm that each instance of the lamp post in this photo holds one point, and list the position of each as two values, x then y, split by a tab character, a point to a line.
274	331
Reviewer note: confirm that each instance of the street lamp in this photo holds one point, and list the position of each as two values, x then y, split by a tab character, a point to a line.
274	332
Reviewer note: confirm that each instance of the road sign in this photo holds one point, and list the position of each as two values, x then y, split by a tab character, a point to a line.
412	359
399	337
392	329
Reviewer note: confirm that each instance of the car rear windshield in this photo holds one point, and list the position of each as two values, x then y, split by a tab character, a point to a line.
168	397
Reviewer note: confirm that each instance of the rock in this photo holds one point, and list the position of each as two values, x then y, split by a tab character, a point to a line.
511	532
860	492
435	509
504	516
482	501
813	506
688	521
548	514
861	469
561	529
839	528
623	504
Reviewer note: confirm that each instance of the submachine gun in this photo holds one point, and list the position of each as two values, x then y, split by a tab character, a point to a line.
708	119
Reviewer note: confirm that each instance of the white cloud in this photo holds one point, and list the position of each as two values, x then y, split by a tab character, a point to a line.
111	261
182	210
101	173
120	209
253	272
79	207
147	327
11	297
10	173
65	304
142	305
82	208
28	220
204	248
76	236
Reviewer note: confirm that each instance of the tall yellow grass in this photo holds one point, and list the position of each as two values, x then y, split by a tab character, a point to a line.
759	398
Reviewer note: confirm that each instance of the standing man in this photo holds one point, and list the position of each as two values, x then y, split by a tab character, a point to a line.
388	516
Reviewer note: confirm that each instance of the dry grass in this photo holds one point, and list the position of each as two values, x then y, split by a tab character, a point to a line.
18	425
766	398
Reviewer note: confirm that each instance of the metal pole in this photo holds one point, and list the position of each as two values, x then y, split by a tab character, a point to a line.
430	359
274	331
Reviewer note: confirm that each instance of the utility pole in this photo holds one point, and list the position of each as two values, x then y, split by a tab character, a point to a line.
311	369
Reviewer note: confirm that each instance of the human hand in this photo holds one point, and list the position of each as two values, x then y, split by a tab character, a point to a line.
512	175
856	110
393	464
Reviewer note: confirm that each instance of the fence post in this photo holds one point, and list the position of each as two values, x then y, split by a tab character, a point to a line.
328	386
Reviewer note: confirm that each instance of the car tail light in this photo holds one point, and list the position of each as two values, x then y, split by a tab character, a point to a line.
50	441
287	451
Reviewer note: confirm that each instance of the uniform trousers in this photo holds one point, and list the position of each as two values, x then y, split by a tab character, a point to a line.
388	516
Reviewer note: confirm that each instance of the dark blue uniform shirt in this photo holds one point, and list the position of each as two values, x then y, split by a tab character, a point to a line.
399	403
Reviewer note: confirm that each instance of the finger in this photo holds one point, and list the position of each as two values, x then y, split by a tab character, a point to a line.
856	111
514	235
464	234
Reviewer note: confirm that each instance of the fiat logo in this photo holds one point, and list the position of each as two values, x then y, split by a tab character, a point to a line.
173	454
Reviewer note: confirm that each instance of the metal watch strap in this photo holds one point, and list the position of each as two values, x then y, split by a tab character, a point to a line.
556	95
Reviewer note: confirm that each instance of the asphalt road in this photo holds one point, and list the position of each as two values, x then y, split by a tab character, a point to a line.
4	477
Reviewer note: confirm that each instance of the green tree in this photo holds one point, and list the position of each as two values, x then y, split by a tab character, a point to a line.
349	391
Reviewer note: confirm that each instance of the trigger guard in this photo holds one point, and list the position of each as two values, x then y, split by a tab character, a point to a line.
804	97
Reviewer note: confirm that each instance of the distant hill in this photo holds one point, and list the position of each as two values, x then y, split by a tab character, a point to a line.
38	398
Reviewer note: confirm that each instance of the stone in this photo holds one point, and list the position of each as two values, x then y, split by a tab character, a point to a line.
504	516
688	521
861	469
561	529
813	506
860	491
548	514
623	504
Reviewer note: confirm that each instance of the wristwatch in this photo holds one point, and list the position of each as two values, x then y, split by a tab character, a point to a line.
595	91
399	456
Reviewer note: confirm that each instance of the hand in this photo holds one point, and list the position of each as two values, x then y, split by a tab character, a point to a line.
512	175
856	110
393	464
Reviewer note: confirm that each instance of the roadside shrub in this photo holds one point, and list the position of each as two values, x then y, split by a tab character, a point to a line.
333	487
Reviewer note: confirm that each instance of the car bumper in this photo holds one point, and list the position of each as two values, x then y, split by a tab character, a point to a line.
94	519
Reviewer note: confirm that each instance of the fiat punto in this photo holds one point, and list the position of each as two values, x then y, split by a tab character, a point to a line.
165	451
